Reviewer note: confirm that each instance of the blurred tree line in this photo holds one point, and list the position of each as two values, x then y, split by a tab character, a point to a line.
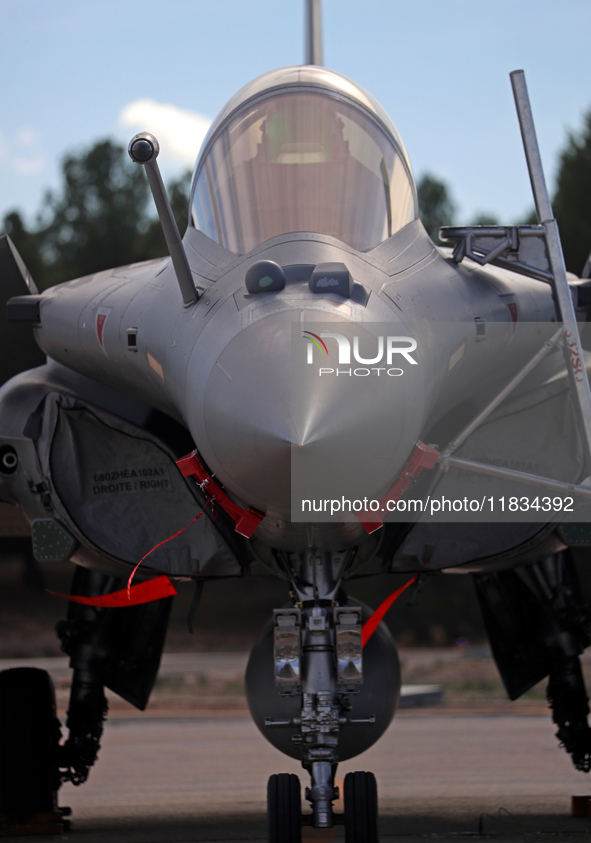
571	202
102	215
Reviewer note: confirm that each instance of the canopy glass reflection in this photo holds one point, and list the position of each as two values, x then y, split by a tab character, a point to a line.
302	161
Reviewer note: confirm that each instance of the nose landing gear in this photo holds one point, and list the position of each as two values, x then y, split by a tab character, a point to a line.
318	666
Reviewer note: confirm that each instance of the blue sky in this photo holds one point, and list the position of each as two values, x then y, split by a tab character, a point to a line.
74	71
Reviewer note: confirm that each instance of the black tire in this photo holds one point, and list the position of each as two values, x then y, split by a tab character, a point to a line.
29	739
284	808
361	808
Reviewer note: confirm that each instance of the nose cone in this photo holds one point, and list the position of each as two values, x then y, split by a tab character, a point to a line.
280	428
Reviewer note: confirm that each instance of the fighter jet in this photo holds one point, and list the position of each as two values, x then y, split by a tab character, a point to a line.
308	384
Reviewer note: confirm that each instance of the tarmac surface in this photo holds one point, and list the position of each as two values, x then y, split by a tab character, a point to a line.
445	776
199	776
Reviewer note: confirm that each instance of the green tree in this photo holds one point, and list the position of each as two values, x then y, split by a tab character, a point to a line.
486	218
178	193
572	200
436	207
98	218
101	217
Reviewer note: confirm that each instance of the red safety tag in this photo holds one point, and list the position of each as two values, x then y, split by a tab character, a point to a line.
423	456
245	520
143	592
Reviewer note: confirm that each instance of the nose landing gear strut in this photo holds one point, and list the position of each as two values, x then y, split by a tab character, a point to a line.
318	656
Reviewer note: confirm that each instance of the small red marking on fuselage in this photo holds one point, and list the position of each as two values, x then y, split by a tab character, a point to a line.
100	324
575	358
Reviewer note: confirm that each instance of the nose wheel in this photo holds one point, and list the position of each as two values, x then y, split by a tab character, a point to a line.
361	808
284	808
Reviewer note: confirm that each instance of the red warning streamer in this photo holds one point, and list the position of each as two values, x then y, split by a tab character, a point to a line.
145	556
143	592
374	620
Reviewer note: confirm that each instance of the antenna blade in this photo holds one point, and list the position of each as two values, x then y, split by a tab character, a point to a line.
313	33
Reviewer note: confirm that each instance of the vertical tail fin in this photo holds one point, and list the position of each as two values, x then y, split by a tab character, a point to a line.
313	33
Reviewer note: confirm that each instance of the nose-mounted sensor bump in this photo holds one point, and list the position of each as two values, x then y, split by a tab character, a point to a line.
264	277
332	278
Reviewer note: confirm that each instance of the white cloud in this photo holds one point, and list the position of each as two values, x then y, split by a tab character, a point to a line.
27	137
28	166
180	133
20	151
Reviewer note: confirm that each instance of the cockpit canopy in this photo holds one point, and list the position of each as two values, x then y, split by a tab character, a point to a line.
312	156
